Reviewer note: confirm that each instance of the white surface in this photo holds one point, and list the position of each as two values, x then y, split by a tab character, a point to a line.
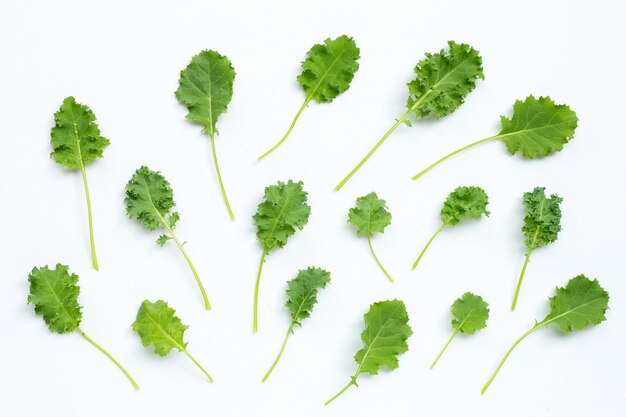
123	60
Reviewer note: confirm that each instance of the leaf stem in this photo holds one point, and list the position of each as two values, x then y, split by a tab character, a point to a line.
219	175
197	364
419	174
94	258
427	245
101	349
521	277
444	348
282	349
535	327
293	123
256	291
207	305
371	152
382	268
344	389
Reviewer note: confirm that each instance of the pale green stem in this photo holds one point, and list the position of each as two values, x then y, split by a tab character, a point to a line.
519	281
293	123
256	292
197	364
371	152
444	348
535	327
282	349
219	176
416	176
382	268
94	259
207	305
344	389
427	245
101	349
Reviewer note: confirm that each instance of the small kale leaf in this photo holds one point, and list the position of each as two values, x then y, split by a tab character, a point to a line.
370	216
301	298
462	203
580	304
158	326
384	338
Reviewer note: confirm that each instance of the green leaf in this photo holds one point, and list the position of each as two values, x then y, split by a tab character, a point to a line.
326	73
328	69
54	293
206	88
470	313
302	292
157	325
284	210
75	137
301	297
384	338
443	80
149	198
370	215
542	223
538	127
464	203
76	141
580	304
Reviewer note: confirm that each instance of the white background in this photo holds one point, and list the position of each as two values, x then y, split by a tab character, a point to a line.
123	60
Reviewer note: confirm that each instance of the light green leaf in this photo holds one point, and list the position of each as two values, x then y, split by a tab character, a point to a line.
328	69
384	338
76	137
580	304
284	210
370	215
470	313
538	127
157	325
